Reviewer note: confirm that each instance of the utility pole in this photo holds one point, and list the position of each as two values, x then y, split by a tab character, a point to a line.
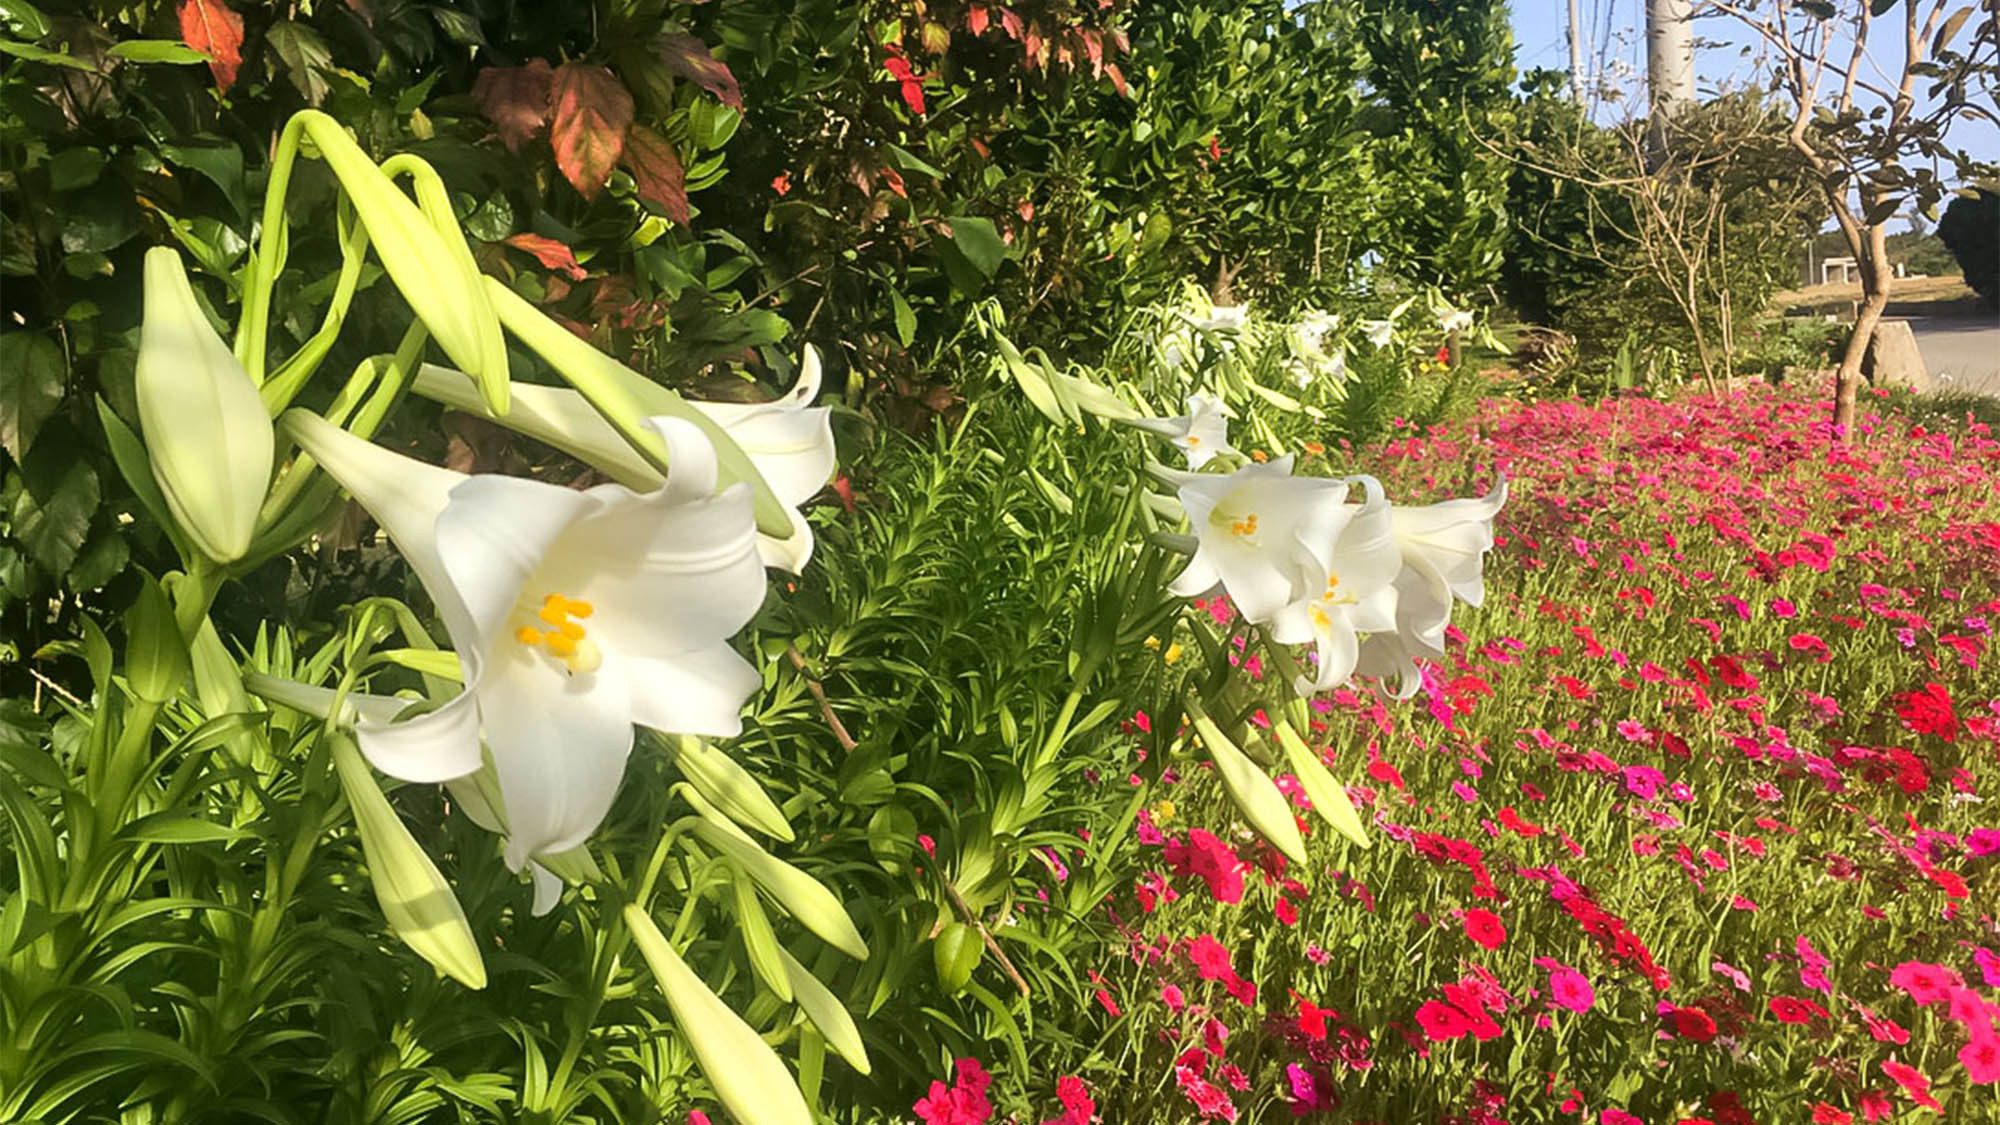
1575	54
1669	63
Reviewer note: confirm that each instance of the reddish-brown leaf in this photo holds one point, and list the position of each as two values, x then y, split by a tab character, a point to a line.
515	99
688	57
209	26
591	110
975	20
550	253
657	172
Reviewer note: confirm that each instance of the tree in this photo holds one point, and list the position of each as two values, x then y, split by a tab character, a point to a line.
1687	222
1856	119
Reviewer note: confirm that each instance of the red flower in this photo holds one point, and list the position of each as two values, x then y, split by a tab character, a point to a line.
1442	1022
1693	1023
1207	857
1929	711
1915	1086
1484	928
1791	1009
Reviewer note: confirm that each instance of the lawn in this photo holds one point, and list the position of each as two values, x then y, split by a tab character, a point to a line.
1692	829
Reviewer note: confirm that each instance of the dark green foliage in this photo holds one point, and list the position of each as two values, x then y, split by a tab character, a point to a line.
1970	227
1439	74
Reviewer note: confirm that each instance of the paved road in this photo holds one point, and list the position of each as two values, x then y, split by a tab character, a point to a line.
1962	353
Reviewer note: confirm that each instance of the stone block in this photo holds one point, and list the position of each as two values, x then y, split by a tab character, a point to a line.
1892	359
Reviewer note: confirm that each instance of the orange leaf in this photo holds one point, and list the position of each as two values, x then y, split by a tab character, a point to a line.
657	172
592	110
515	99
688	57
209	26
550	253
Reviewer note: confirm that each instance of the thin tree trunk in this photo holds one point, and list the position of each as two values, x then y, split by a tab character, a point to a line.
1874	263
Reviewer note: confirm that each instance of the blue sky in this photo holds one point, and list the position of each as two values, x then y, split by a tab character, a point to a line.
1615	28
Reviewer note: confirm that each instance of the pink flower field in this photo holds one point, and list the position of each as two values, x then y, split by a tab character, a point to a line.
1697	826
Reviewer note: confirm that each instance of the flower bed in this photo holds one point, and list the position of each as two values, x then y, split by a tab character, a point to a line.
1691	829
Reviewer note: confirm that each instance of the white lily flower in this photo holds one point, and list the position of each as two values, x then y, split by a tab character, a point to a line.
1379	332
789	440
574	615
1310	330
1454	320
1201	433
1222	318
1359	595
1265	536
1442	546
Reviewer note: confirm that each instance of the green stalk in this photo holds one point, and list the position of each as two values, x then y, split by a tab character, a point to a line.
266	264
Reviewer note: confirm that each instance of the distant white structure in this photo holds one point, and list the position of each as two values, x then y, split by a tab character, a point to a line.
1847	272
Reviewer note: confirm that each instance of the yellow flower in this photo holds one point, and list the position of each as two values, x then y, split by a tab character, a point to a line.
1152	644
1173	652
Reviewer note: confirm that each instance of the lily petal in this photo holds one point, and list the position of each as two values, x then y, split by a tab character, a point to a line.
559	745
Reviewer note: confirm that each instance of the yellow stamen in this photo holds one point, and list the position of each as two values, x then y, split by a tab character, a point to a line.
1193	440
552	614
527	636
559	644
579	609
571	630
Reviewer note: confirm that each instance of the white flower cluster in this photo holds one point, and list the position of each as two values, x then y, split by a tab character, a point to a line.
1332	563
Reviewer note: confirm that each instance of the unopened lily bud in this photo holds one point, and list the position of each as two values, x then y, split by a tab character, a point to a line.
827	1013
1253	792
749	1078
436	275
729	787
802	896
1327	797
416	901
207	435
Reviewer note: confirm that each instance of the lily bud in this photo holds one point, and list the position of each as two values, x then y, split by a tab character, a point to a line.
1254	794
827	1013
749	1079
802	896
435	274
416	901
730	787
1328	798
207	435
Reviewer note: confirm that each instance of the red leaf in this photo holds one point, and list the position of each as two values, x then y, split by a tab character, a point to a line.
975	20
592	110
550	253
657	172
1010	23
515	99
688	57
209	26
1117	79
